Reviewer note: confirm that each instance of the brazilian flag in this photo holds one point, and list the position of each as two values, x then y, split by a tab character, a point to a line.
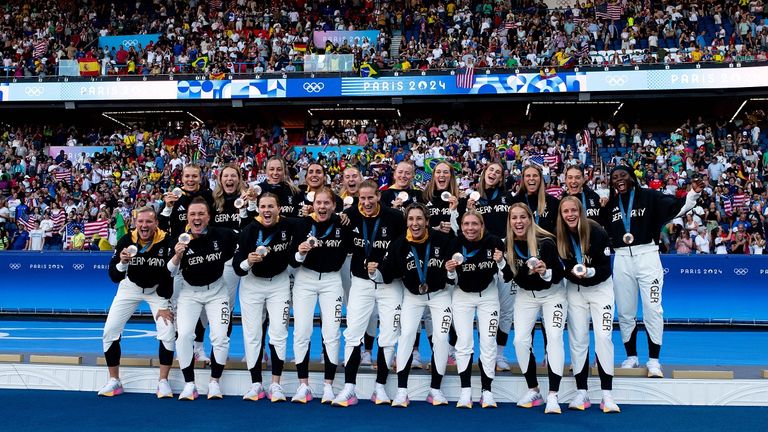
201	62
368	70
431	163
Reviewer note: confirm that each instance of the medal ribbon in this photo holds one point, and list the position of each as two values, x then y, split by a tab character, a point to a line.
422	266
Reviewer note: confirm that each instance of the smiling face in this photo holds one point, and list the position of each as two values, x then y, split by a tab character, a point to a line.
323	205
230	180
351	180
531	180
368	198
442	176
269	209
493	175
574	180
621	181
403	176
315	176
417	223
190	178
571	214
519	221
471	227
275	172
146	224
198	218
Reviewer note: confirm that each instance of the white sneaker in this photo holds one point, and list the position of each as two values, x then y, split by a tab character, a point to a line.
199	353
502	364
553	407
531	398
328	395
303	394
465	398
164	389
276	393
401	398
580	401
365	359
436	397
654	369
214	391
255	393
630	362
416	362
113	387
608	405
346	398
189	392
380	396
487	400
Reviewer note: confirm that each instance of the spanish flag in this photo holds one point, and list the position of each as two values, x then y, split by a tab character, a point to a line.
89	67
217	75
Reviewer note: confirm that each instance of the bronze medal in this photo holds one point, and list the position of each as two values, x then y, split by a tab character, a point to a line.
423	288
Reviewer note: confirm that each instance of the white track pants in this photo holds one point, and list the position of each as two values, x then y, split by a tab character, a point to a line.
192	301
231	280
346	277
129	296
595	302
364	297
439	304
507	293
309	288
260	294
486	304
553	306
642	273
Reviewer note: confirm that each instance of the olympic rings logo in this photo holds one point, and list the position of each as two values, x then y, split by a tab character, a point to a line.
34	90
78	266
312	87
14	266
616	80
741	271
130	43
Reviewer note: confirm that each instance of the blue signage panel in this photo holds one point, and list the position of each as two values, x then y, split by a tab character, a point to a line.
128	41
708	287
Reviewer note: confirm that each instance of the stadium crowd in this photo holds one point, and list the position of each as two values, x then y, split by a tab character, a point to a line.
239	36
54	201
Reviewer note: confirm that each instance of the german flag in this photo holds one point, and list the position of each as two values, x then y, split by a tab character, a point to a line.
89	67
300	46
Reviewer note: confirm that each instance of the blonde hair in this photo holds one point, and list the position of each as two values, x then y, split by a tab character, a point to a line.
482	186
286	175
541	199
475	213
343	191
453	188
583	229
218	193
410	166
533	236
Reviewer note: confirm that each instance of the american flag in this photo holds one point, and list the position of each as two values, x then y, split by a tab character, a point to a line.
28	222
62	174
59	219
215	4
609	10
735	202
555	191
465	78
198	141
100	227
587	138
536	159
40	48
551	159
